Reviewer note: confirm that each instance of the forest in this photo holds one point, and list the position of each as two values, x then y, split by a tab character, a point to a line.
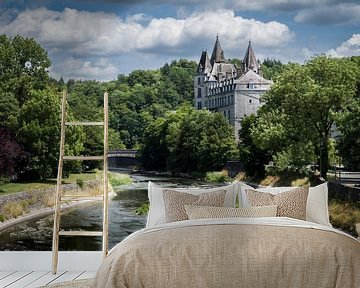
151	110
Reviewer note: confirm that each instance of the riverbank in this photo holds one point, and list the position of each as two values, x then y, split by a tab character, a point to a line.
23	206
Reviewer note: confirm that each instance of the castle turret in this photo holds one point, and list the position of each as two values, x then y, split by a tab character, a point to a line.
249	62
217	55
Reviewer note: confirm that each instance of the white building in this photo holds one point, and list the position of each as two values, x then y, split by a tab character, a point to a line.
222	87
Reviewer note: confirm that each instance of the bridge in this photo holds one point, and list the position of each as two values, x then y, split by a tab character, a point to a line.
123	159
131	153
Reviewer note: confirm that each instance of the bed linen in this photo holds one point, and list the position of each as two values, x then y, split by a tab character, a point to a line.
233	252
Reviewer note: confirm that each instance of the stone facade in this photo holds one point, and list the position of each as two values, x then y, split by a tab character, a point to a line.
233	91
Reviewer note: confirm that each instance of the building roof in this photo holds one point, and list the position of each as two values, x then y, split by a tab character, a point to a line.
222	71
204	63
249	62
217	55
251	77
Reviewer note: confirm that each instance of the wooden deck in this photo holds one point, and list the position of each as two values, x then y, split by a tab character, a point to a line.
33	269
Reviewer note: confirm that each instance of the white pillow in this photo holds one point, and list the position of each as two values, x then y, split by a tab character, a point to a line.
317	203
156	213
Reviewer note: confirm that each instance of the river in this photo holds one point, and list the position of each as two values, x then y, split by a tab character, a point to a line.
36	234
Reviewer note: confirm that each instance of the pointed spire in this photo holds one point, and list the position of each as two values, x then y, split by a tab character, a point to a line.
217	55
204	63
249	62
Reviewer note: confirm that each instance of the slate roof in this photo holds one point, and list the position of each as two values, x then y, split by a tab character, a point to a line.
204	63
250	62
217	55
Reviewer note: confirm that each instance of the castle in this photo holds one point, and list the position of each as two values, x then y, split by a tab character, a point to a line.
220	86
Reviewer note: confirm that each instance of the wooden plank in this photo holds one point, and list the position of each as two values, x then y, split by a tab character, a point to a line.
12	278
86	275
68	276
82	158
44	280
80	233
4	274
11	261
28	279
86	123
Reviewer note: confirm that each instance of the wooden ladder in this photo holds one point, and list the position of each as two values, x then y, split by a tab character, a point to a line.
59	198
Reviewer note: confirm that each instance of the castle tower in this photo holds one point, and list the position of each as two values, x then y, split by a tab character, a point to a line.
217	55
203	71
250	62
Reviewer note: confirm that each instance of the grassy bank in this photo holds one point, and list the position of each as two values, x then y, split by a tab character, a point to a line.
14	187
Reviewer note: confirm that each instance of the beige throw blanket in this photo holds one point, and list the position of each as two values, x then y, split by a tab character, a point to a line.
275	252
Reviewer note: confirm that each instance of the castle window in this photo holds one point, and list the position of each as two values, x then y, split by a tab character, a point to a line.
199	106
229	115
250	86
199	81
199	93
250	100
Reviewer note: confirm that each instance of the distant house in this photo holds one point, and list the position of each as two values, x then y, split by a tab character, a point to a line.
222	87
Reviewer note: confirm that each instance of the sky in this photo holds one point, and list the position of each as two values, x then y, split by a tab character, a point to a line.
97	40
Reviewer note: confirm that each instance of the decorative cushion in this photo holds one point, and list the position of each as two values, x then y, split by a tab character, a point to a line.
317	210
156	213
290	203
200	212
175	201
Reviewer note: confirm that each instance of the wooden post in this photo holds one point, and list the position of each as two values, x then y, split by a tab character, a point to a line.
55	243
105	179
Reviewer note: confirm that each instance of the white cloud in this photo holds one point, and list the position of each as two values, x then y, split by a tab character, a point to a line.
350	47
100	69
98	33
73	37
333	14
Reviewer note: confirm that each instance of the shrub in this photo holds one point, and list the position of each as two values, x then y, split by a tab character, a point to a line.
13	209
117	179
344	215
143	209
80	183
217	177
2	218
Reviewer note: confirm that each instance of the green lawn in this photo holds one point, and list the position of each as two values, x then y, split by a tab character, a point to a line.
26	186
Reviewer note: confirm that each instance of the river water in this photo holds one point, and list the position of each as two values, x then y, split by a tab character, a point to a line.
36	234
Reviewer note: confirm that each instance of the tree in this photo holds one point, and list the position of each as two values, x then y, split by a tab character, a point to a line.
253	157
188	140
271	68
12	155
23	66
301	108
39	133
348	123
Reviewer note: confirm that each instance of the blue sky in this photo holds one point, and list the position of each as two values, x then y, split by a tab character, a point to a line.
88	39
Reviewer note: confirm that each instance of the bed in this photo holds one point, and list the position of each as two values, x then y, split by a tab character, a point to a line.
240	250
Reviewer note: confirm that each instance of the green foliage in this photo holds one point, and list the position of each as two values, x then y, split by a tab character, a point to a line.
117	179
253	157
294	124
188	140
39	132
217	177
2	218
143	209
80	182
23	66
237	62
271	68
